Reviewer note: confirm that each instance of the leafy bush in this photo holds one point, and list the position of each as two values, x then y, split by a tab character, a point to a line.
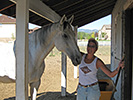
103	34
83	35
13	37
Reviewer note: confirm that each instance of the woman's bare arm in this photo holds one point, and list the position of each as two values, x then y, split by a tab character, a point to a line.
103	67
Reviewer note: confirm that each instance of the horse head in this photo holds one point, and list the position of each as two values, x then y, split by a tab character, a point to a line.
65	40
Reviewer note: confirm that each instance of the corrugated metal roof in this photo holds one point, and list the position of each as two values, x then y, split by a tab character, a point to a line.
85	11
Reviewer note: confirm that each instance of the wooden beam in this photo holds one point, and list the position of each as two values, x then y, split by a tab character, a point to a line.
95	8
128	5
22	20
132	52
75	67
93	17
128	57
7	7
36	6
67	4
63	75
132	73
39	8
75	10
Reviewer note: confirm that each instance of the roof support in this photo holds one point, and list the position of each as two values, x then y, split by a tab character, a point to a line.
63	74
75	67
128	5
22	20
7	7
36	7
39	8
132	73
132	56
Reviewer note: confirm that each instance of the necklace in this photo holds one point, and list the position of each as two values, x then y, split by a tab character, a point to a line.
88	60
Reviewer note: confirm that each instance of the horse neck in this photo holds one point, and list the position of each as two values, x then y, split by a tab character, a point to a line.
44	40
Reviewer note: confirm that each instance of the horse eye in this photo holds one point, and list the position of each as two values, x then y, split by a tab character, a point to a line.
65	36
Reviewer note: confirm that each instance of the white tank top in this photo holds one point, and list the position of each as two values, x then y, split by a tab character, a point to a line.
87	72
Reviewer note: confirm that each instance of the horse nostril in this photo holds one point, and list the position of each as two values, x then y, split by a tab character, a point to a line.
78	59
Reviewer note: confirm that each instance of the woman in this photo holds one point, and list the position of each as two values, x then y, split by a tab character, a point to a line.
88	88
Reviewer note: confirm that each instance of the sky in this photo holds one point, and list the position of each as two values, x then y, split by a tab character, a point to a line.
31	26
93	25
98	23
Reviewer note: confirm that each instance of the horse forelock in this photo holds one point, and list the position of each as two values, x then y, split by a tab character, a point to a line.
66	24
69	26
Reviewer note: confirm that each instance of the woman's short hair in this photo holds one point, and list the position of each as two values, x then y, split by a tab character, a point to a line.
94	41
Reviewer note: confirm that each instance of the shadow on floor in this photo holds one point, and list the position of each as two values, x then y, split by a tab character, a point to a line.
51	96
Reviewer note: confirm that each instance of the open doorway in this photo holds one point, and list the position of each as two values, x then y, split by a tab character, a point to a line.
101	31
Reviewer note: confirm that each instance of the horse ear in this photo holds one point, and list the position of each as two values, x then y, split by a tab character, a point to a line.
63	19
70	20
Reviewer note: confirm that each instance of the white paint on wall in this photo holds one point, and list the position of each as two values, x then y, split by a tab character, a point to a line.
6	30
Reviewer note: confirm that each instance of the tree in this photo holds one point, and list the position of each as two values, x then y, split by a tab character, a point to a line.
93	35
88	37
103	34
83	35
13	37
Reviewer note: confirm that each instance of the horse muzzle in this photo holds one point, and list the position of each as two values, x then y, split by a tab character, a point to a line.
76	60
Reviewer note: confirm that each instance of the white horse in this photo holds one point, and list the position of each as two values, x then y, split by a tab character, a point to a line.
42	41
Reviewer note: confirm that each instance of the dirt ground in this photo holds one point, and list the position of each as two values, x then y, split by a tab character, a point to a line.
50	82
50	88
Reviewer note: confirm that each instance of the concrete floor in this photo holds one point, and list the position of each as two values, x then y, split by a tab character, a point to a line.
51	96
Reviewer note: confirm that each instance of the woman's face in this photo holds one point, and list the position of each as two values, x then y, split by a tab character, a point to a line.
91	48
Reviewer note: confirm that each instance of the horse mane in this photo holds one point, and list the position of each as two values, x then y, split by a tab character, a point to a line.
40	35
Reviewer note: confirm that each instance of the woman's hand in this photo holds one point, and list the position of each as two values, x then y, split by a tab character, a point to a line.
122	63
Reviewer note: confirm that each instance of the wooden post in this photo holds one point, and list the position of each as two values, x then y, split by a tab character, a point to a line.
75	71
128	57
63	75
75	67
132	78
22	19
132	53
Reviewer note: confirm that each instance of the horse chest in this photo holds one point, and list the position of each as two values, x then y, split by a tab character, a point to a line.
35	72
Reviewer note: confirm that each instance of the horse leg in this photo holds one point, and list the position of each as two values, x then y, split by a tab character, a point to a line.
35	85
34	88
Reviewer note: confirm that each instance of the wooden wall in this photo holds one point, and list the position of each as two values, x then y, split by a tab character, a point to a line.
117	42
128	54
122	31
